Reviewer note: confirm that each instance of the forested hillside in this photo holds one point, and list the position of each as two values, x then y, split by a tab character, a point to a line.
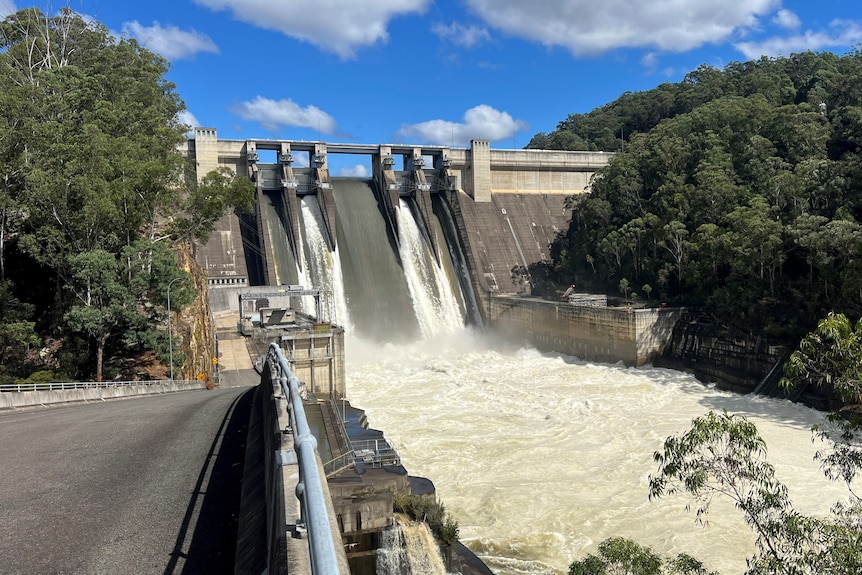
93	195
739	190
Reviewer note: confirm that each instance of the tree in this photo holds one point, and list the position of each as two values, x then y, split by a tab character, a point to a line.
207	201
620	556
91	175
724	455
104	306
831	355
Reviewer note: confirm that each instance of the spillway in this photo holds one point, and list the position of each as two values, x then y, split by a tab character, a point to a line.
540	457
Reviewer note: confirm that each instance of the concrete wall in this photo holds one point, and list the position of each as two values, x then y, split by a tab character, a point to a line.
595	334
9	400
511	231
512	202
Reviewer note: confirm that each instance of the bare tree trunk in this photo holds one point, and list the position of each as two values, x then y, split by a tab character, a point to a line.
3	245
100	354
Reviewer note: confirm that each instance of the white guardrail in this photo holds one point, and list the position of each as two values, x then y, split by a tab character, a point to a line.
62	386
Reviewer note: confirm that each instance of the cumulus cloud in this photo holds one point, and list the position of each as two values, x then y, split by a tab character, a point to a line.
841	33
170	41
587	27
187	118
357	171
466	36
786	19
336	26
481	122
273	114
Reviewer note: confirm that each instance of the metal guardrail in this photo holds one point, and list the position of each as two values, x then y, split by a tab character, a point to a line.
64	386
310	490
376	453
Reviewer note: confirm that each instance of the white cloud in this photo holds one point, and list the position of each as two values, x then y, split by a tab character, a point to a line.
466	36
357	171
273	114
842	33
481	122
337	26
7	7
787	19
170	42
588	27
187	118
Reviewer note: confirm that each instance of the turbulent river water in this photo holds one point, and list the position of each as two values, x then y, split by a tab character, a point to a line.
540	457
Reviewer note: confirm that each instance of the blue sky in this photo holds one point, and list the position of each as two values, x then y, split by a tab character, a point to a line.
445	71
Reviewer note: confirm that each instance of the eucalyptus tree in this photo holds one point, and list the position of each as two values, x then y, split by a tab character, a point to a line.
91	176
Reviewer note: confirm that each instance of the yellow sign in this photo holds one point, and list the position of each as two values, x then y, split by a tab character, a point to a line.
201	377
215	360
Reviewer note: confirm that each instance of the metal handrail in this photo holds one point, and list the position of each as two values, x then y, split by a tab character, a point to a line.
343	461
310	490
70	385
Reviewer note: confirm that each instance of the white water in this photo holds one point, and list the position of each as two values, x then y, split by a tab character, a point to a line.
436	308
542	457
321	268
409	550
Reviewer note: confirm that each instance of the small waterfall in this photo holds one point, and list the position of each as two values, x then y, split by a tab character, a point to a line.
409	550
437	310
322	268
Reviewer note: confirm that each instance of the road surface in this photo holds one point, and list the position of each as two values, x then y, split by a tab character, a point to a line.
138	486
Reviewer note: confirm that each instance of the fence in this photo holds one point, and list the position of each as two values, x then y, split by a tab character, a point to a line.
63	386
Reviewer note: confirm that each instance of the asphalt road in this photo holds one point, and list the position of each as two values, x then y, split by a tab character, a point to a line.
137	486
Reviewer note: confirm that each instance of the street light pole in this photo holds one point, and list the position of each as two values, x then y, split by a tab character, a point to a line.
171	328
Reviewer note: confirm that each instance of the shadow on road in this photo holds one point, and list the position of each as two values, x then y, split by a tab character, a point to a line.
213	544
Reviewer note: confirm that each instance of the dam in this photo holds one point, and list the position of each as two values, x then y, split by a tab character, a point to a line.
485	216
540	456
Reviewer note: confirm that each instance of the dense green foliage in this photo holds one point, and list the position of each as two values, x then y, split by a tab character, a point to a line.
620	556
90	179
739	190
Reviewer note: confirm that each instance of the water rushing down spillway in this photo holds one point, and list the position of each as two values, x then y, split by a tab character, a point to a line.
436	307
541	457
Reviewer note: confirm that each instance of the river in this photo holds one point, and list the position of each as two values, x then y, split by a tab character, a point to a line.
540	457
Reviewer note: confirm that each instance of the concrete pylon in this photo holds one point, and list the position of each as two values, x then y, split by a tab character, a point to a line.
422	195
323	187
291	200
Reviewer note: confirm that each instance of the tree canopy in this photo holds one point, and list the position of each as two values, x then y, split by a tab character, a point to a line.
90	181
738	190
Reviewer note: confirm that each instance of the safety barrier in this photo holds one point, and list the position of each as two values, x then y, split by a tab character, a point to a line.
63	386
310	490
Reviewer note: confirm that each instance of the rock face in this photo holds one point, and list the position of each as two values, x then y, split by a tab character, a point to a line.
194	324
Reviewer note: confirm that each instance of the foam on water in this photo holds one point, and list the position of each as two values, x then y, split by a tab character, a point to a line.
541	457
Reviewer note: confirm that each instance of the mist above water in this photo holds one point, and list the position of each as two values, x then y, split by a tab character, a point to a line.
541	457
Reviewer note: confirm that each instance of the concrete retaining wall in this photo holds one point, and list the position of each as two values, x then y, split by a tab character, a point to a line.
609	335
10	400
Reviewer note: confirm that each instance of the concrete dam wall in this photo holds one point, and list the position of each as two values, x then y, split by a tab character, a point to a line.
505	208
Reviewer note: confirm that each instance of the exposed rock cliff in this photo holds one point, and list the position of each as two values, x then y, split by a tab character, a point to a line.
194	323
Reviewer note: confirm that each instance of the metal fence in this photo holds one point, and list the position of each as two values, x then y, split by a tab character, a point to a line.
311	490
62	386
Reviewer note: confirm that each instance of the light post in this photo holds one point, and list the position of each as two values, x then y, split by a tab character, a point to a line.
170	328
